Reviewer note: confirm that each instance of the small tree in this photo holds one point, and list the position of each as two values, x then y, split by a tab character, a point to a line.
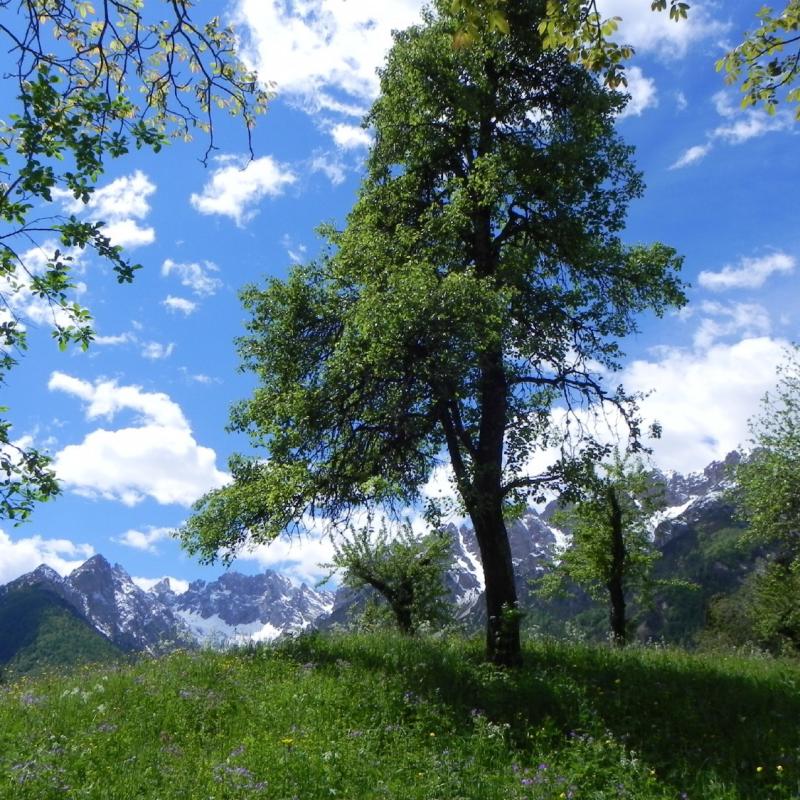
407	571
611	553
768	497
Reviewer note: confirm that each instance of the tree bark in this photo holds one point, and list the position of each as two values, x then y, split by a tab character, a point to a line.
503	646
615	585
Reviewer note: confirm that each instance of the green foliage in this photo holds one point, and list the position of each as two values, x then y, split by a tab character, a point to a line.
479	280
767	61
92	83
406	570
763	614
768	481
40	632
611	553
765	64
393	717
768	497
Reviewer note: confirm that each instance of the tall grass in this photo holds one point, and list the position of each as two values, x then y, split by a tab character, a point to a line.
380	716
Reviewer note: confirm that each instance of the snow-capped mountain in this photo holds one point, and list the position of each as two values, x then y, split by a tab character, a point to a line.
238	608
113	604
231	610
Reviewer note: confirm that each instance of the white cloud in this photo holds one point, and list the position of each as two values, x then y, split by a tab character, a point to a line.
333	169
194	276
296	253
111	341
155	456
733	319
642	93
121	204
752	125
350	137
323	53
750	273
298	557
681	103
704	398
693	155
23	555
22	303
144	540
239	185
741	125
181	304
156	351
177	585
651	32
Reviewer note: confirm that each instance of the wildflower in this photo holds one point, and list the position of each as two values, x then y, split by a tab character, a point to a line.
527	781
107	727
779	768
759	769
431	734
287	740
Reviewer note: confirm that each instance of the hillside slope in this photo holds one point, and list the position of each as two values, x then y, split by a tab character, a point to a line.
323	717
40	631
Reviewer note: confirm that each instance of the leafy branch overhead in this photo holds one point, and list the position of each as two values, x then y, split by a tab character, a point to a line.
765	64
92	83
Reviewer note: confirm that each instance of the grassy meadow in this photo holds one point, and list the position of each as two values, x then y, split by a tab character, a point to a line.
380	716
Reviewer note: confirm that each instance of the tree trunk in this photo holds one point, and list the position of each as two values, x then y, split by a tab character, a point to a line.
503	645
616	590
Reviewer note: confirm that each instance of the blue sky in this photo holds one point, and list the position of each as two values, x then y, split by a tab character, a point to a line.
136	424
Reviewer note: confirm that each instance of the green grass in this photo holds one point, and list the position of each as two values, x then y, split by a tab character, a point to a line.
382	717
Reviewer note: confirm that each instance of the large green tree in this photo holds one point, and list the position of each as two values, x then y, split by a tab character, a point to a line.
480	280
92	82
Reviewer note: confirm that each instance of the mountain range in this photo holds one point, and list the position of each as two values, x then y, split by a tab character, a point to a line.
696	534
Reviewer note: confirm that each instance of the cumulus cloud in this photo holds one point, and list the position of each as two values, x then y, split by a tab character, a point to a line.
298	557
238	185
642	91
751	273
156	351
731	319
704	397
154	456
331	168
24	305
122	205
656	33
114	340
740	126
181	304
195	276
18	556
144	540
323	54
350	137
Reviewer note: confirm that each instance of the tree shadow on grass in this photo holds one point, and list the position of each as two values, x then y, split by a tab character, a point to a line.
682	715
